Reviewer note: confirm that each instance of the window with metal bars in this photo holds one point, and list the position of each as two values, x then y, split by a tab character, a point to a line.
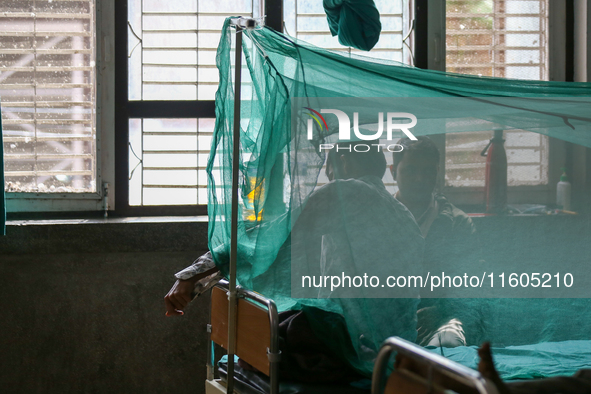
47	87
168	109
506	39
171	49
169	165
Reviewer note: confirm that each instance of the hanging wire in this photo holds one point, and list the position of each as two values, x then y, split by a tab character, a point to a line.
285	29
136	36
137	165
405	39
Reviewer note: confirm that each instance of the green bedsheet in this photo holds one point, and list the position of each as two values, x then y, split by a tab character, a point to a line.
541	360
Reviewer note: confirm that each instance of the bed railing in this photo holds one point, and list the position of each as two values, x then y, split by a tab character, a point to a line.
431	373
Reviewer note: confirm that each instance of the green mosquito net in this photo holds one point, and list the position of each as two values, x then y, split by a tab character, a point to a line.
357	22
319	228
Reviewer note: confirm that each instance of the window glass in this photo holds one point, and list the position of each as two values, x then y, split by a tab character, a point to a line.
47	87
506	39
167	161
172	46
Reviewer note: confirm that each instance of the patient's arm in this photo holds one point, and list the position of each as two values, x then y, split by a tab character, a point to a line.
203	264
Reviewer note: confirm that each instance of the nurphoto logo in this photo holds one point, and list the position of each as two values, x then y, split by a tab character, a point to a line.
392	124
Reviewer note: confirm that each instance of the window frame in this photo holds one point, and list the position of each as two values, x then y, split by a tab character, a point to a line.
146	109
20	202
430	21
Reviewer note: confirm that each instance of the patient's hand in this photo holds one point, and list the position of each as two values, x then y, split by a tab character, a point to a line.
181	293
179	296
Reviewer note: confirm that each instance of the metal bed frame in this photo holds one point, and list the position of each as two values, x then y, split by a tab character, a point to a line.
434	365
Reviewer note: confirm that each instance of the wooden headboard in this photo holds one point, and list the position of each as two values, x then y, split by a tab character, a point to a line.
253	331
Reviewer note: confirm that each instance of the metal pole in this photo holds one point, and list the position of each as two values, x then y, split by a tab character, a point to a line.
274	354
232	297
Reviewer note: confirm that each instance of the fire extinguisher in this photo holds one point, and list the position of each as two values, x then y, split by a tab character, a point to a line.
495	186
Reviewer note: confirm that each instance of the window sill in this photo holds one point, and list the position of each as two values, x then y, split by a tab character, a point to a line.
110	235
110	220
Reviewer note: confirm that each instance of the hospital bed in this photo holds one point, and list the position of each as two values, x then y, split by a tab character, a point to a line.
257	343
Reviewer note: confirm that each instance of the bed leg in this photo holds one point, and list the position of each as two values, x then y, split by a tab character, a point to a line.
210	355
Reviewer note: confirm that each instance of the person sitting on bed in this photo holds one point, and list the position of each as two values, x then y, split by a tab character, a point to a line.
356	211
343	166
449	236
415	169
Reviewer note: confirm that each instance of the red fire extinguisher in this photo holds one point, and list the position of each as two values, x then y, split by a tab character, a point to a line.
495	186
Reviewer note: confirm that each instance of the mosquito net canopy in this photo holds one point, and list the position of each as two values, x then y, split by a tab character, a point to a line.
319	227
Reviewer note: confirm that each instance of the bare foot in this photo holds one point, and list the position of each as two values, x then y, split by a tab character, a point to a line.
486	367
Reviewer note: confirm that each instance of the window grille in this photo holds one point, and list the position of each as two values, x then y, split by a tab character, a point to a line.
172	46
506	39
171	57
47	88
168	160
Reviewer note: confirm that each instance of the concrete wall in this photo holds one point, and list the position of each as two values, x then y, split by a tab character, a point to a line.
83	308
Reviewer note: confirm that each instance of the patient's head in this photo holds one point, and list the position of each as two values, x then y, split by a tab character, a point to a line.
415	168
353	160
